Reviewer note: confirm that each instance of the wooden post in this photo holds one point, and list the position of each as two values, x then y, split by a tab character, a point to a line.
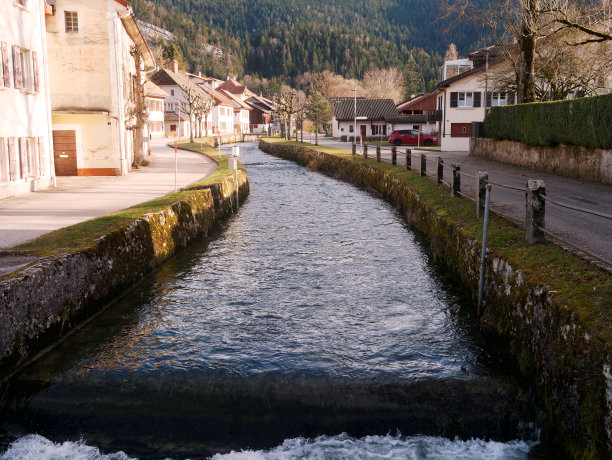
378	153
481	192
456	180
365	151
354	148
423	170
440	162
408	159
535	208
394	155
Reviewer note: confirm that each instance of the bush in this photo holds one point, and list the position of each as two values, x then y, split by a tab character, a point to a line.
585	122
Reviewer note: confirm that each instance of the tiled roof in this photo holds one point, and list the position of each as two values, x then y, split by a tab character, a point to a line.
220	98
371	109
152	90
235	98
232	86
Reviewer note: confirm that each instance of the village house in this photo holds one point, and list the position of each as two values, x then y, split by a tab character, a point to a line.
261	114
418	113
26	162
465	97
154	97
93	47
371	115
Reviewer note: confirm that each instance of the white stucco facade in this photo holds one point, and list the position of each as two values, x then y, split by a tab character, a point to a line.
26	161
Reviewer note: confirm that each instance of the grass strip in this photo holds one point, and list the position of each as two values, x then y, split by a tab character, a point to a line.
81	235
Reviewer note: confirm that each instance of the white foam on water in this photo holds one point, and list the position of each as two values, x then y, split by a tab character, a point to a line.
35	447
386	447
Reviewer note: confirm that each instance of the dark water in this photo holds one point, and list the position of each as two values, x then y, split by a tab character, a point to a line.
315	313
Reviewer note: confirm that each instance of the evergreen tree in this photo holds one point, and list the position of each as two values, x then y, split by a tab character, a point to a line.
319	112
412	83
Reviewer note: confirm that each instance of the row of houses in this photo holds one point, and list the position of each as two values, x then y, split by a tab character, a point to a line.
462	97
72	73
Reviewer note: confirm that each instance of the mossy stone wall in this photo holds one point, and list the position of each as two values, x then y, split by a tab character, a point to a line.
567	364
41	303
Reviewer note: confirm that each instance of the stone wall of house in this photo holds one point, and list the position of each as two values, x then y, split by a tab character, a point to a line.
566	160
554	350
41	303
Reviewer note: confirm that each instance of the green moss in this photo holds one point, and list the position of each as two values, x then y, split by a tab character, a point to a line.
78	236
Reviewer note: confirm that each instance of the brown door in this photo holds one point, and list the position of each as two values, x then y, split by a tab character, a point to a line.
362	130
65	153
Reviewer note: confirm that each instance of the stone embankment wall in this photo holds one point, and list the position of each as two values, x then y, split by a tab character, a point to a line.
566	160
232	139
565	362
41	303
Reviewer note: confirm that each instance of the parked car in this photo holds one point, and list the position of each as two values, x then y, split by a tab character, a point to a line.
411	137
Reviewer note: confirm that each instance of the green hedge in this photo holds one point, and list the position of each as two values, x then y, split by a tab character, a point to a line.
585	121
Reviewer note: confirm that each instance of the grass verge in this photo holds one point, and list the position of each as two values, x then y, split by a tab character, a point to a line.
78	236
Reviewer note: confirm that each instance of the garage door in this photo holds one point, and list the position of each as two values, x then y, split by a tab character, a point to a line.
65	152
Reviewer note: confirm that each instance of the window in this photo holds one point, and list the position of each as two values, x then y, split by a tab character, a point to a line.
465	99
377	130
71	20
25	69
5	76
440	103
350	128
171	92
4	161
498	99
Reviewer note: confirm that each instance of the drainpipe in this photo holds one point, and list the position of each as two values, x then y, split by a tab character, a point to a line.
120	115
47	89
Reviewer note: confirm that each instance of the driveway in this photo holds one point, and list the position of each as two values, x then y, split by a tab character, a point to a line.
76	199
586	231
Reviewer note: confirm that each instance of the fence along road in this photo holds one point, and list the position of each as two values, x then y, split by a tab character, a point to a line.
590	232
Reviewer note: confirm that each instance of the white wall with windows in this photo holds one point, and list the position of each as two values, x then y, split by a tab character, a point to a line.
26	159
222	119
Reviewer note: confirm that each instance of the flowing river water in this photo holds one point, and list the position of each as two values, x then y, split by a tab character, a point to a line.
313	326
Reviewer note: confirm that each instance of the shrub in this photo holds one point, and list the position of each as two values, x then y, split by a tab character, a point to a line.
585	121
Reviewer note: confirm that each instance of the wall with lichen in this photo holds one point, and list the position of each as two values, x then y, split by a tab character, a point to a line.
567	364
41	303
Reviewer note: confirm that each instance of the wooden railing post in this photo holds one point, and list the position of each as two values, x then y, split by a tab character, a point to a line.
440	162
408	159
535	208
365	151
481	192
378	153
394	155
423	170
456	180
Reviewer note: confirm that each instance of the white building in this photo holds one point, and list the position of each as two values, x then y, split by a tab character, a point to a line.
26	161
371	116
154	97
93	84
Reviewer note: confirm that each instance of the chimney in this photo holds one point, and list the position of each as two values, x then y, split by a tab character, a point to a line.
200	74
175	66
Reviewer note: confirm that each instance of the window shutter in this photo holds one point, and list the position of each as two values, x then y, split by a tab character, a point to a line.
35	70
477	98
42	157
488	99
17	66
511	98
12	159
5	65
454	97
23	156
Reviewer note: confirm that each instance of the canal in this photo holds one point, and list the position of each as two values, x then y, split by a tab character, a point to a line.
313	325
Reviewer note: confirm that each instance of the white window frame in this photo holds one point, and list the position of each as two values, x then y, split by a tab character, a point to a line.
78	22
4	161
499	99
468	99
27	72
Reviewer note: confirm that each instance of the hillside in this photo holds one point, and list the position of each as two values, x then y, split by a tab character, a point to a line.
270	38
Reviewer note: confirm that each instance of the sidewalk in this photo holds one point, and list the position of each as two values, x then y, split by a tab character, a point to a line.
76	199
590	232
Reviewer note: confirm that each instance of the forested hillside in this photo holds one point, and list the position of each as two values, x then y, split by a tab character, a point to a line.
270	38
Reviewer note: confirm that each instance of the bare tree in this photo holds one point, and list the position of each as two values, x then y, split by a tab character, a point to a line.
203	105
384	83
287	104
194	97
137	112
528	22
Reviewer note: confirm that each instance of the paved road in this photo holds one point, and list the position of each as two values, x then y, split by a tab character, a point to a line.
586	231
76	199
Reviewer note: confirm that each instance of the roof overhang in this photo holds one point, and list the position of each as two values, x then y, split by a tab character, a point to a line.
134	32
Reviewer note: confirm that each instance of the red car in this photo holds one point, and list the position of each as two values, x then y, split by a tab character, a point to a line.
411	137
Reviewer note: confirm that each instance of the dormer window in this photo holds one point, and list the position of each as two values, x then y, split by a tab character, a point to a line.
71	20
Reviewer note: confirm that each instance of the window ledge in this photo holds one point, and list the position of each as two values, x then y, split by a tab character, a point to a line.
21	7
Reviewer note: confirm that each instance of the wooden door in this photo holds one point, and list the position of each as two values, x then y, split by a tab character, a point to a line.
363	128
65	152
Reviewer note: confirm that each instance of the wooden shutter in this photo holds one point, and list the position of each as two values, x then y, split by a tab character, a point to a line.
477	98
5	64
42	157
17	66
488	102
454	98
511	97
23	157
12	151
35	70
